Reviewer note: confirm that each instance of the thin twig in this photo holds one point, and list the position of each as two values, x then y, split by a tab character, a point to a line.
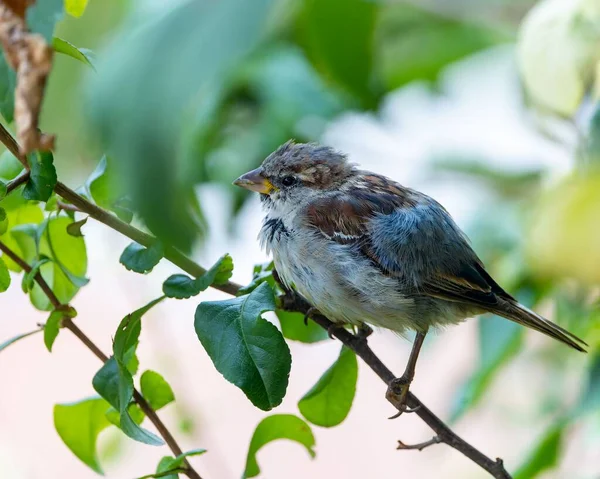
18	181
420	446
67	207
68	323
12	145
295	303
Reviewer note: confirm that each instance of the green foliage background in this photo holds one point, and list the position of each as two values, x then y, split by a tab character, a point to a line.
200	92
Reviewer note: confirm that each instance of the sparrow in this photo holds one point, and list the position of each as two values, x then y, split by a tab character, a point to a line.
363	249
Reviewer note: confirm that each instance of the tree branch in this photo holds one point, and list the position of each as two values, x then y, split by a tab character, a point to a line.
68	323
18	181
291	303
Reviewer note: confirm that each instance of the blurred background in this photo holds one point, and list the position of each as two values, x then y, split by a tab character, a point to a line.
486	105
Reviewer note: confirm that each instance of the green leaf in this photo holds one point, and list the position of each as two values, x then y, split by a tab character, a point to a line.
129	329
10	167
499	341
141	259
104	187
545	454
22	214
4	276
329	401
82	54
219	36
135	412
8	82
245	348
65	274
114	383
74	229
278	426
293	327
75	8
173	464
263	273
415	44
3	190
29	277
338	37
3	221
43	16
51	328
156	390
42	179
181	286
11	341
79	425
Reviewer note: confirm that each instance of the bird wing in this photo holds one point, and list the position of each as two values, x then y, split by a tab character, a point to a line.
407	235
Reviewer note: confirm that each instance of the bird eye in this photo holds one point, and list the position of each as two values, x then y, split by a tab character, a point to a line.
288	181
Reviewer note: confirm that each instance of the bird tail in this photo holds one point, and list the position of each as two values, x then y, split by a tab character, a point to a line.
520	314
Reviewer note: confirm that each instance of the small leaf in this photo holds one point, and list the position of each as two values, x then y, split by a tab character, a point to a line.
141	259
136	413
77	281
174	465
79	425
29	277
74	229
11	341
262	273
181	286
75	8
42	178
293	327
51	328
4	276
156	390
329	401
42	17
545	454
129	329
8	82
278	426
245	348
82	54
114	383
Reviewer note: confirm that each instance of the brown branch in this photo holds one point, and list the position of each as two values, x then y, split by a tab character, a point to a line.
68	323
291	303
31	58
67	207
18	181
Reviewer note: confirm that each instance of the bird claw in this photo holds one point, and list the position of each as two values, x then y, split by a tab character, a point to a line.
364	331
309	314
397	394
331	330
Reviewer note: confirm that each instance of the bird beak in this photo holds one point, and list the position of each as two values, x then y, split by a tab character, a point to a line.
255	181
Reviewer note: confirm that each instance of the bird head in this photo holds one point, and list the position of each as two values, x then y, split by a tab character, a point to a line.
296	172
